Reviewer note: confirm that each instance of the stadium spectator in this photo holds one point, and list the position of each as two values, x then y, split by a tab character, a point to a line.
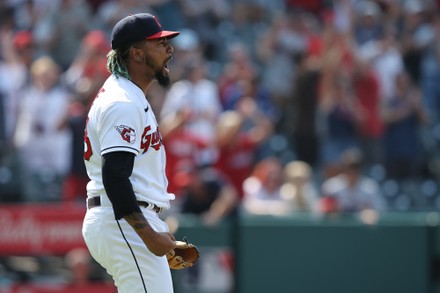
61	28
351	190
204	17
386	59
371	127
300	114
274	189
277	46
183	147
197	97
238	66
313	6
88	68
43	147
262	189
388	35
341	113
417	33
430	74
207	193
300	187
403	114
342	73
238	146
187	47
83	78
367	22
18	53
110	11
251	89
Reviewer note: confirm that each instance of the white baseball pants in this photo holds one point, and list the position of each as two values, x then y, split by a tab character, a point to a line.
123	254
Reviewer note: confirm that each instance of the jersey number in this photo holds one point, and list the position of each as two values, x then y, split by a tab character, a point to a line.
87	145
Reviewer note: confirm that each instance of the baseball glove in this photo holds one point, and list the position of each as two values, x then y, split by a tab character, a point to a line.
185	255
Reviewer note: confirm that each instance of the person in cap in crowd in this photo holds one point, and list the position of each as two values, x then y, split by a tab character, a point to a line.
262	189
351	190
125	161
277	189
299	187
206	192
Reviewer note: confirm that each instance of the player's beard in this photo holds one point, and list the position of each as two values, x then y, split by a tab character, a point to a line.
162	78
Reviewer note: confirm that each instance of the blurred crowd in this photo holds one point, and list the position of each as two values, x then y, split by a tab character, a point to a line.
275	107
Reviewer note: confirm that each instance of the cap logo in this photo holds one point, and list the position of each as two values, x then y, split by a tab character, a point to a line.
157	21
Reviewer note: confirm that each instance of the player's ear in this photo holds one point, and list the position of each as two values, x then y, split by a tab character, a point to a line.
136	54
139	58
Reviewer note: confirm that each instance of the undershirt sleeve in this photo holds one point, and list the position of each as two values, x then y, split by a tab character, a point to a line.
116	171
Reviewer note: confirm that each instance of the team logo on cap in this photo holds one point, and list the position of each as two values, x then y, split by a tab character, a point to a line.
127	133
157	21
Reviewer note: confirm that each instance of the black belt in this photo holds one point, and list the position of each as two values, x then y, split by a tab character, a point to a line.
96	202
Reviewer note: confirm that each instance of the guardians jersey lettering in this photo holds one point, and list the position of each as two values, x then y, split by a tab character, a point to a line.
151	139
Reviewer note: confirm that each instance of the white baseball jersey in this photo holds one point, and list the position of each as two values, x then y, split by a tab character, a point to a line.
121	119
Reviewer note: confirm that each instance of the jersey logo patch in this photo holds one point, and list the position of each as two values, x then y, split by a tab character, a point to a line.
127	133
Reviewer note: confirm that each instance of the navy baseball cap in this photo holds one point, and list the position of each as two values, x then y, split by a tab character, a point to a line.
138	27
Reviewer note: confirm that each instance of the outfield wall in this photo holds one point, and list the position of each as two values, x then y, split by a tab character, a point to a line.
293	254
305	254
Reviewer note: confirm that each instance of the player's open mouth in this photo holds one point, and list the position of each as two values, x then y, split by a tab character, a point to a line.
165	66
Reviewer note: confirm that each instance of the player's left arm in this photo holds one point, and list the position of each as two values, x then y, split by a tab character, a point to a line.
158	243
117	168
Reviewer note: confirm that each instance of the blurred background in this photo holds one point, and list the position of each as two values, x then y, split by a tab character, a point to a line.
302	138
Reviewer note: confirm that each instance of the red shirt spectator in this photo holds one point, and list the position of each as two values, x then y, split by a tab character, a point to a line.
237	160
182	147
366	88
237	146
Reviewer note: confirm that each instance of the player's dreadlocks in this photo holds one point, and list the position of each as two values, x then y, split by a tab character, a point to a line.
117	60
116	63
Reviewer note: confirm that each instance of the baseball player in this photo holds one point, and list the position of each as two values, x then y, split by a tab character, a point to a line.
125	160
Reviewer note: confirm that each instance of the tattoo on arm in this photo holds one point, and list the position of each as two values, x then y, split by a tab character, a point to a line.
136	220
139	226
